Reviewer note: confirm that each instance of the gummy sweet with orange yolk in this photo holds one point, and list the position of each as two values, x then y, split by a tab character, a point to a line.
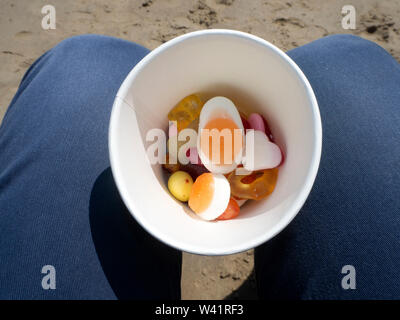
209	196
186	111
221	128
202	193
219	124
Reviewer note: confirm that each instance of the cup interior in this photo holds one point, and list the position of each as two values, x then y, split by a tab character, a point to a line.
257	77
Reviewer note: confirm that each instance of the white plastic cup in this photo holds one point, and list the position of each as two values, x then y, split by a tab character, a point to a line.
257	77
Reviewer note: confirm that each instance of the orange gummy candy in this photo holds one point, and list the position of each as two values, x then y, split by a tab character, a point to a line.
258	185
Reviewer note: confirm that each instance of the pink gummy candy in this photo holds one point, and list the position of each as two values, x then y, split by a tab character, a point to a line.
193	156
256	122
268	131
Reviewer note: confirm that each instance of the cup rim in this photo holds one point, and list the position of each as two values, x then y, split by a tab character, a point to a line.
300	199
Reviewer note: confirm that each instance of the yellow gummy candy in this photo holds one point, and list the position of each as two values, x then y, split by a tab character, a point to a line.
187	110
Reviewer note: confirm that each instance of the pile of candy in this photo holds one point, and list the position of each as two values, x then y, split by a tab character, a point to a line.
209	178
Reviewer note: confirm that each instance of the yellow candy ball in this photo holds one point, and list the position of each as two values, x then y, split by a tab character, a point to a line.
180	184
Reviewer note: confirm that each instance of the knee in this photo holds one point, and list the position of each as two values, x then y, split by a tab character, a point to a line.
94	49
349	43
348	40
103	55
85	41
341	52
89	45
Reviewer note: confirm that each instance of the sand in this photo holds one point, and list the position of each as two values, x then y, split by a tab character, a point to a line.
287	24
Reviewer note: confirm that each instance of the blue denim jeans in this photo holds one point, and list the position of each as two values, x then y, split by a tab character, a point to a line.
59	205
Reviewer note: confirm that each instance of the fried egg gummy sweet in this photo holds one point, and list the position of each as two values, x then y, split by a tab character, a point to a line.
220	140
210	195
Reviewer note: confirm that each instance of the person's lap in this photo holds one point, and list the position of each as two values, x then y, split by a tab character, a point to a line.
59	205
352	214
58	202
